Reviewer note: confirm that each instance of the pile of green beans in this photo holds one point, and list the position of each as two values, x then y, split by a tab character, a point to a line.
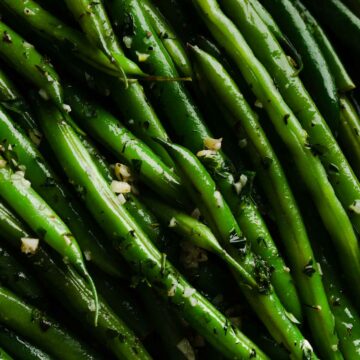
179	179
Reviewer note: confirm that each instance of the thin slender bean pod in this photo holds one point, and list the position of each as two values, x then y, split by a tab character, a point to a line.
349	133
336	15
135	246
111	330
292	134
274	182
354	5
16	190
96	25
342	78
267	18
320	138
181	109
31	322
316	74
109	131
261	296
47	26
33	66
168	37
56	194
19	347
15	104
15	276
193	230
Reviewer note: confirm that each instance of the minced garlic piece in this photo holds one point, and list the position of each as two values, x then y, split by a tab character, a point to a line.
29	245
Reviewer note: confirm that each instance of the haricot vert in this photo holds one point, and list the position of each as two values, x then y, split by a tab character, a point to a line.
134	245
246	123
292	134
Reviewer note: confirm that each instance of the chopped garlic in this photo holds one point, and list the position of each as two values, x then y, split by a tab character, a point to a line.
127	41
213	144
172	223
292	318
19	176
306	347
193	301
188	292
196	214
28	11
122	199
258	104
120	187
142	57
218	198
241	184
35	136
206	153
185	347
122	172
355	207
2	163
87	255
172	290
44	95
67	108
29	245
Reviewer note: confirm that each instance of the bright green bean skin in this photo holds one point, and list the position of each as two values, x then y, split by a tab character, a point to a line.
76	292
56	194
342	78
280	196
40	329
315	74
109	131
96	25
193	131
51	28
14	103
26	202
168	37
262	298
19	347
349	133
15	276
320	137
293	135
26	60
4	355
134	245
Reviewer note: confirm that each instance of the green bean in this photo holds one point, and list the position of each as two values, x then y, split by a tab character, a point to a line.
349	133
181	109
110	329
101	124
342	79
275	185
40	329
320	138
260	295
51	28
316	74
25	59
134	245
339	18
16	105
279	35
15	276
16	190
292	134
96	25
19	347
56	194
168	37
